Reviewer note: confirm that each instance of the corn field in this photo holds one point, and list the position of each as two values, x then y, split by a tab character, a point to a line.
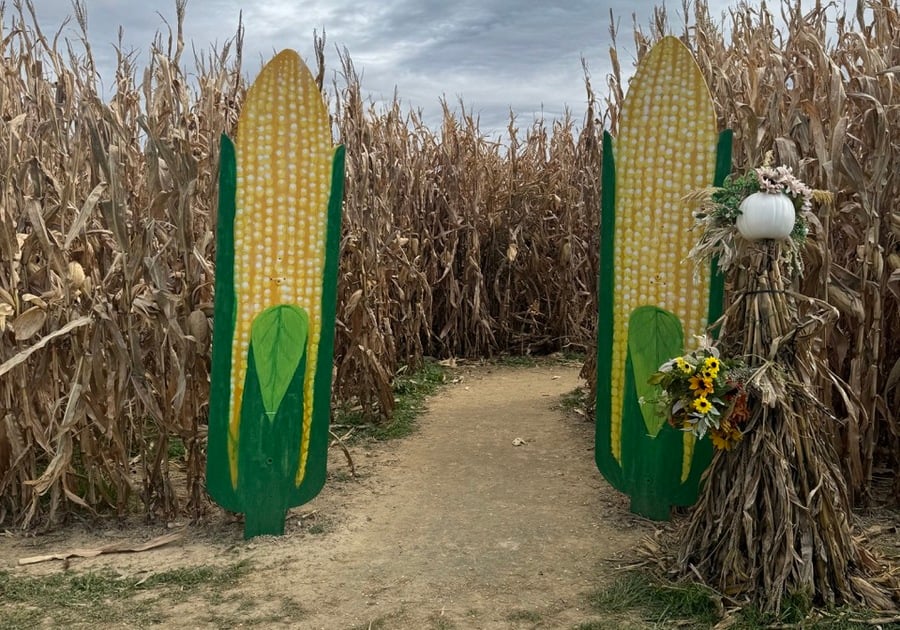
453	245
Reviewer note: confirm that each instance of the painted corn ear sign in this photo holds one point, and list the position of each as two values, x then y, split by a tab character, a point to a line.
651	306
280	191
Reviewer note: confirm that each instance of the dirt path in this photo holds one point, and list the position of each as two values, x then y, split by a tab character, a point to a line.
454	527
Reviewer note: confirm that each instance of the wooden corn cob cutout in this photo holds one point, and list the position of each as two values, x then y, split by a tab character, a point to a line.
280	192
649	301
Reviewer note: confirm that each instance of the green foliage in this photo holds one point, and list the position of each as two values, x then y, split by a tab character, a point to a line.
192	577
657	601
411	388
176	448
728	197
439	622
410	392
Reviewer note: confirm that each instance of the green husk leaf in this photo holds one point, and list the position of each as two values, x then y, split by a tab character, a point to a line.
278	336
654	336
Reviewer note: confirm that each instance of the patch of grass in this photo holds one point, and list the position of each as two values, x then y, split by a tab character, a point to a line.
411	388
658	604
573	356
176	450
291	609
564	357
516	361
527	616
575	399
191	577
317	528
439	622
410	392
339	476
797	611
656	601
65	599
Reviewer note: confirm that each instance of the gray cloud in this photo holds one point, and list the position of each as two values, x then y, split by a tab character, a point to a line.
495	55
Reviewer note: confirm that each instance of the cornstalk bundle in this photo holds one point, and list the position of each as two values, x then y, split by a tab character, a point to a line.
774	514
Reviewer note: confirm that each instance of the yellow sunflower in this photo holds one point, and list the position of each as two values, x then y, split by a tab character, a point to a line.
712	365
683	365
719	441
701	386
702	405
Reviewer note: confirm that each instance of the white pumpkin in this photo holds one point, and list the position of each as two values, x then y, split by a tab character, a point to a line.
766	215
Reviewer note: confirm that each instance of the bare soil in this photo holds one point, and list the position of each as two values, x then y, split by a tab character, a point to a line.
492	515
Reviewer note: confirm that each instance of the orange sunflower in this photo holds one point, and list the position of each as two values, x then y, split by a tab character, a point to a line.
701	385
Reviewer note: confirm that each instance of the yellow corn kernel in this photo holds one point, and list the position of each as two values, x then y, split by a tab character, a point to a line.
284	158
666	147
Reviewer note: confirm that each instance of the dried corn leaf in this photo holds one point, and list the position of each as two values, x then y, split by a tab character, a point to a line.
29	323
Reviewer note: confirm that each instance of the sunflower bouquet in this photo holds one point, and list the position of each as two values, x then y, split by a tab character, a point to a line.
702	393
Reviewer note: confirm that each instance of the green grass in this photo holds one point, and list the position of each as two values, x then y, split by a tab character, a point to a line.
70	599
657	602
176	450
524	616
639	600
411	389
318	528
410	392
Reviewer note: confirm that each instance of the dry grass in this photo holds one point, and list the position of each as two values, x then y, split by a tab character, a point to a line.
453	244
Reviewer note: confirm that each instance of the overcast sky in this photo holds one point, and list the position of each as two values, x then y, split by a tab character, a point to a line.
495	55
